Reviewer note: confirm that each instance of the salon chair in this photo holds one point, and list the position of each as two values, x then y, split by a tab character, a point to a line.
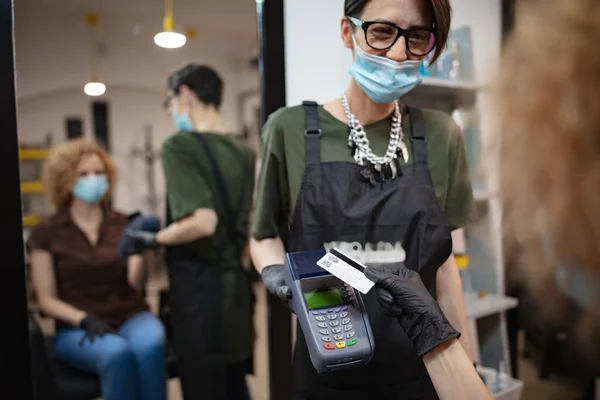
54	380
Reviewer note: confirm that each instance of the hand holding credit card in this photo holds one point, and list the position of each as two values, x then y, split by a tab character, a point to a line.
347	269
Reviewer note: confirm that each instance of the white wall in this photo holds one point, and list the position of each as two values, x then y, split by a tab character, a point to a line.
53	64
317	63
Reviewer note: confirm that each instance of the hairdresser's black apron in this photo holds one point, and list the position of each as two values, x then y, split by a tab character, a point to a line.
337	203
198	300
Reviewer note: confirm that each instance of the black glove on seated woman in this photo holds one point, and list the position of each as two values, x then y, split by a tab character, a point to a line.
94	327
405	297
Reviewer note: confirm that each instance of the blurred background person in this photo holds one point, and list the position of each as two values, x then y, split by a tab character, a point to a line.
102	321
209	178
549	138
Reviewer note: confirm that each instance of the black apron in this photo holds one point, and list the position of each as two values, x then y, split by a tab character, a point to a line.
198	301
337	203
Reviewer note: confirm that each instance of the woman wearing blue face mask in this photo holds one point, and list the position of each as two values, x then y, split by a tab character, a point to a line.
364	169
102	321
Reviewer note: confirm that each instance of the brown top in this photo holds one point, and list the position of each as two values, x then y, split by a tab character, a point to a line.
91	278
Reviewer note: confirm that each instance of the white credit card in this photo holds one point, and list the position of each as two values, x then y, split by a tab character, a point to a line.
346	269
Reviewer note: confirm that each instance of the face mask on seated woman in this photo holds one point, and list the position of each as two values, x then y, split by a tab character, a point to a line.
91	188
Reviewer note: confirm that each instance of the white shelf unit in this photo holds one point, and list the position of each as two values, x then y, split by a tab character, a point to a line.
513	389
449	94
482	195
483	239
456	86
489	305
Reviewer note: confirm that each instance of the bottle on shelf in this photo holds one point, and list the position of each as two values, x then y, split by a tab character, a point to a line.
500	381
448	65
459	249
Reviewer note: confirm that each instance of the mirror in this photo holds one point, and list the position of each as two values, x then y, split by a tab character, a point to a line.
97	71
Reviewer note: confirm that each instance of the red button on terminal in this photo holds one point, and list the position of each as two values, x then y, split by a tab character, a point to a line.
329	346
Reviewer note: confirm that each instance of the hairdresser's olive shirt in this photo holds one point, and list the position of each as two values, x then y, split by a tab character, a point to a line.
283	163
192	184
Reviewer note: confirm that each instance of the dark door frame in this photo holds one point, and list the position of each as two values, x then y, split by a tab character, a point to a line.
15	373
508	17
272	89
512	316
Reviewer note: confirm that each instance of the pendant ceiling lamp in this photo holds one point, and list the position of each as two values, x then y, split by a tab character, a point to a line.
169	38
94	87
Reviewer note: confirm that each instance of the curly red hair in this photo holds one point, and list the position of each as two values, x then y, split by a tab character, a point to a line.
60	170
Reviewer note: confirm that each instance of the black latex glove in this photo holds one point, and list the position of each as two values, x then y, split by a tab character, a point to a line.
133	216
274	280
94	327
405	297
141	240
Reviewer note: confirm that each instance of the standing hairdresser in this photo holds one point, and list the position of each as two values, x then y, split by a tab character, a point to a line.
366	168
210	180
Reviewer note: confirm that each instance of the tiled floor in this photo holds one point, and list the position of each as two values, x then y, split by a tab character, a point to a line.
552	389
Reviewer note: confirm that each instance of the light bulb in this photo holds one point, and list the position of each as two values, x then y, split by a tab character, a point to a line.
169	39
94	88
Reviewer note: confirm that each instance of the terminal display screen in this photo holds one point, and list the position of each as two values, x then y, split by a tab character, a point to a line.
324	298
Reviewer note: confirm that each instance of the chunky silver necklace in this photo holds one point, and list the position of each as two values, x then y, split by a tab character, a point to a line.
357	139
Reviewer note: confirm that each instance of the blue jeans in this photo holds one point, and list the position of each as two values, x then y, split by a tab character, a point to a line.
131	364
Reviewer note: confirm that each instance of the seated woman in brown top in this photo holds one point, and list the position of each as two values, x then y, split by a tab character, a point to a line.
103	322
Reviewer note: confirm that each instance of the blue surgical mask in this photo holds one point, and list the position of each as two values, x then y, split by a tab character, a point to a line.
91	189
382	79
183	122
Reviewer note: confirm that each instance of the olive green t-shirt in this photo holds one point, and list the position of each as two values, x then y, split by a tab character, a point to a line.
191	183
283	161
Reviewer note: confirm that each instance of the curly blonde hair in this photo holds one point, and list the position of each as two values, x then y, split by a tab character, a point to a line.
60	170
549	140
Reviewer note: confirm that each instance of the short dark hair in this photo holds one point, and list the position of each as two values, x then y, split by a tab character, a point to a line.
204	81
442	16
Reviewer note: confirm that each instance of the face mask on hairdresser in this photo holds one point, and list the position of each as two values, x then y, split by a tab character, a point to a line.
91	189
382	79
183	122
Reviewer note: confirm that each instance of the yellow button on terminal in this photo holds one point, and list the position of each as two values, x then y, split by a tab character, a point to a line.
340	345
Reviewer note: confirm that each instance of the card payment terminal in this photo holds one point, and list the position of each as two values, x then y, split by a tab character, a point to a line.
331	313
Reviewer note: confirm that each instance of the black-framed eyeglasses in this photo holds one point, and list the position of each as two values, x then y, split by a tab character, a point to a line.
383	35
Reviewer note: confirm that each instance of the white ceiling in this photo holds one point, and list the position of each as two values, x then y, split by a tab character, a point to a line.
186	11
231	20
53	42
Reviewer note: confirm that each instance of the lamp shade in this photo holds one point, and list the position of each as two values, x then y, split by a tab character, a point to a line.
169	39
94	88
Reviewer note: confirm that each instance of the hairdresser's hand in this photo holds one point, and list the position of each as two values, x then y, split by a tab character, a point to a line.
405	297
140	240
94	327
274	280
